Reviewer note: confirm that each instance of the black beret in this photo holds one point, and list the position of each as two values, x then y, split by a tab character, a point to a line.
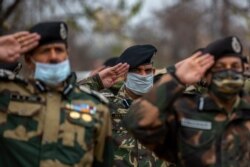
111	62
226	46
137	55
51	32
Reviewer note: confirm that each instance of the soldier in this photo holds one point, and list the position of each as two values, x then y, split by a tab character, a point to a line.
211	129
138	81
48	120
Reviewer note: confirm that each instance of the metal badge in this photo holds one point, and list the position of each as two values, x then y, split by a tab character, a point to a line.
236	45
74	115
86	117
63	32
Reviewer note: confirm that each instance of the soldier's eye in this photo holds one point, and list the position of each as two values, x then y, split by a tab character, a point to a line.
148	71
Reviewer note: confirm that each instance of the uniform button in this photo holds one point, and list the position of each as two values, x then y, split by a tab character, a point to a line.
140	157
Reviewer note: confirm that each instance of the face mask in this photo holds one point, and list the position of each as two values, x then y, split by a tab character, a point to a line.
139	84
52	74
227	83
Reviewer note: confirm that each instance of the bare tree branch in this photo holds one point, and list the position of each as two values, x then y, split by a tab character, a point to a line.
10	9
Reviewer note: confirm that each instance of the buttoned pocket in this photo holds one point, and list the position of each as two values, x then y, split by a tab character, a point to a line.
24	108
196	142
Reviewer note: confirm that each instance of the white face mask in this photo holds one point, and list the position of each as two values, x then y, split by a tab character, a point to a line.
52	74
139	84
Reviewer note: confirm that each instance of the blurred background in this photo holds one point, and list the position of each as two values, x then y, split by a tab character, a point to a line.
100	29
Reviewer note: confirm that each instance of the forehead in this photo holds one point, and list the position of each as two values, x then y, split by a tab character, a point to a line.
143	66
61	45
228	60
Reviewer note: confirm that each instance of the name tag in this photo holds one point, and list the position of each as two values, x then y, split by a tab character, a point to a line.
205	125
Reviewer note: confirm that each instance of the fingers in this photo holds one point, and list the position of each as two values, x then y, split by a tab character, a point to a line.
29	47
27	41
20	34
207	64
122	69
202	58
195	55
189	59
98	70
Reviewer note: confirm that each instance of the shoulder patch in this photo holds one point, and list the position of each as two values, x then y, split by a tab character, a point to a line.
10	76
94	93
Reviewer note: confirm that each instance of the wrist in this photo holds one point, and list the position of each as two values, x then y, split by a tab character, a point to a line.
172	71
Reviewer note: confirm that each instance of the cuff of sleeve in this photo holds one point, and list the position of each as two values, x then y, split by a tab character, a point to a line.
98	80
172	70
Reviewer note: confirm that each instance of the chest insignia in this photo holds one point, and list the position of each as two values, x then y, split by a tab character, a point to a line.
81	108
198	124
80	111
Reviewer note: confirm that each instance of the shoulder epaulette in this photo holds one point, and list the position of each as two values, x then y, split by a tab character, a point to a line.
100	96
10	76
94	93
190	93
84	89
107	94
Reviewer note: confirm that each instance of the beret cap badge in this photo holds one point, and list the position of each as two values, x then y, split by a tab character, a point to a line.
236	45
63	32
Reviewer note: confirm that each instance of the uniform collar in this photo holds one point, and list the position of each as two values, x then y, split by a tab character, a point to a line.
123	93
65	89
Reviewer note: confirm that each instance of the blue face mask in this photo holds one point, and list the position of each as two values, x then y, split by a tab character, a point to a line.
139	84
52	74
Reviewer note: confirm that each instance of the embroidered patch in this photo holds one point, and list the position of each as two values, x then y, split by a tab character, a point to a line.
198	124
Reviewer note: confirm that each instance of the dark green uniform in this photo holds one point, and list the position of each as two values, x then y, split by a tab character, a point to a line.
39	127
191	130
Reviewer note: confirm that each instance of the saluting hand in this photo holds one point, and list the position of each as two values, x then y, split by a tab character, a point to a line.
12	46
192	69
26	40
110	75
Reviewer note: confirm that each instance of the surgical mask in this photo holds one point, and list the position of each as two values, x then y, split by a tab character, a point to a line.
139	84
227	84
52	74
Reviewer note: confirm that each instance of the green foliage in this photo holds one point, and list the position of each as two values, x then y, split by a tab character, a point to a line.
135	8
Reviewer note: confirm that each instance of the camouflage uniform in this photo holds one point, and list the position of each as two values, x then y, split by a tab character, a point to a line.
48	128
191	130
95	83
128	151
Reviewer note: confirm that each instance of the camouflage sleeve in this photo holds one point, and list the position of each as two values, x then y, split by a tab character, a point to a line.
104	153
147	118
93	82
